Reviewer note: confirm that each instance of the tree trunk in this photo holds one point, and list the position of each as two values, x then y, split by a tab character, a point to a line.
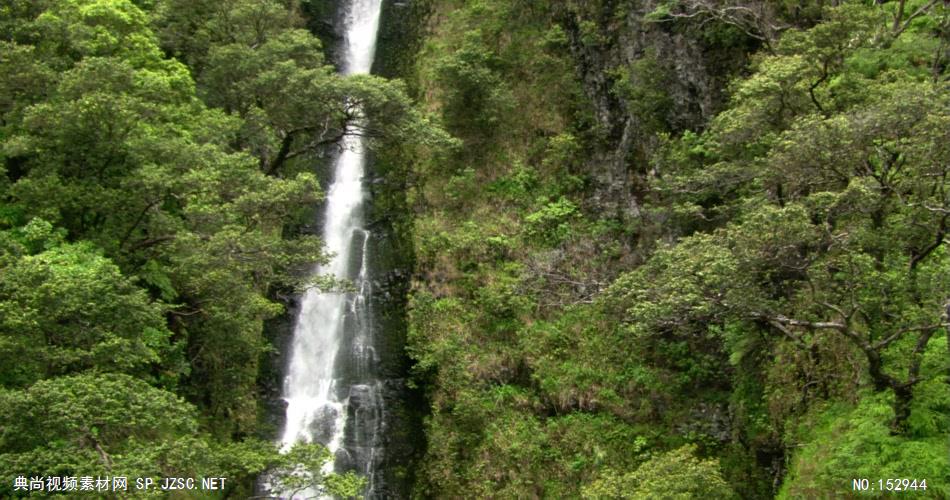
902	398
947	319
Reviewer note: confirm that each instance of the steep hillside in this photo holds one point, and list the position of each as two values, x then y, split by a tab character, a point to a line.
685	246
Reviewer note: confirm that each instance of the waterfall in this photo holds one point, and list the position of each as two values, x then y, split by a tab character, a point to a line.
331	387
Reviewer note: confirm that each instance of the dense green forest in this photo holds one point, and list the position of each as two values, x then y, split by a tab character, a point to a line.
687	248
662	248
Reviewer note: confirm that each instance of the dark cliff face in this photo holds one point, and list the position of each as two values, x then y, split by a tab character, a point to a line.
402	28
618	50
325	20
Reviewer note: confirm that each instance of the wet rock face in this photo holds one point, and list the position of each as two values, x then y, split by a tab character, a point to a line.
695	72
363	444
322	427
325	20
709	419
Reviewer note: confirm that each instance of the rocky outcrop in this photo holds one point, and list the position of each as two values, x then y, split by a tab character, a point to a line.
324	19
692	62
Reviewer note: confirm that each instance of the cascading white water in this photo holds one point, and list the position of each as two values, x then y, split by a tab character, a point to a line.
330	325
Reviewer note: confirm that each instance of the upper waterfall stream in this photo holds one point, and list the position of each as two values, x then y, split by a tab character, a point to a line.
332	388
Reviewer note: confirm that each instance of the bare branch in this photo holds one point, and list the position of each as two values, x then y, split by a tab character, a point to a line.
754	19
913	371
900	333
924	8
138	221
814	325
788	333
918	257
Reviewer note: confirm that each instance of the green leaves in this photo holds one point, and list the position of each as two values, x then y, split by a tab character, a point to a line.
117	425
300	468
551	224
843	442
477	100
95	425
68	309
676	474
89	28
